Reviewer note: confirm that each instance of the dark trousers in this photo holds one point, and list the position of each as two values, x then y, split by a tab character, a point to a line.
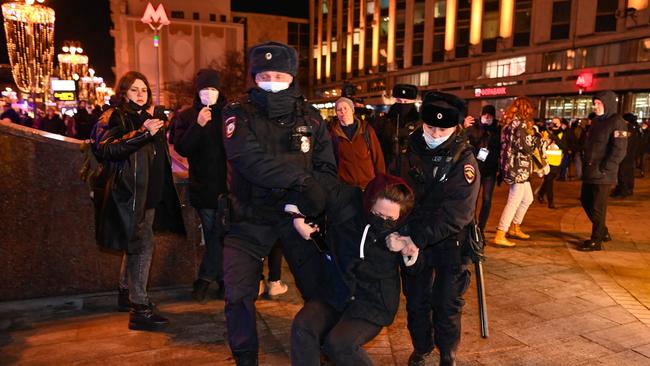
546	190
625	185
487	190
594	201
342	338
275	263
434	307
242	272
211	268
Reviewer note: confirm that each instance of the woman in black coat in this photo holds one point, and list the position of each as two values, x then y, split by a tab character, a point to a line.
138	188
362	295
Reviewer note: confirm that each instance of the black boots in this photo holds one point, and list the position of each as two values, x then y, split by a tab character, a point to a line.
200	290
417	358
221	292
590	246
142	317
245	358
123	303
447	358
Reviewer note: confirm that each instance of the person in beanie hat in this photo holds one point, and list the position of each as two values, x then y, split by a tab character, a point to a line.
355	146
280	153
197	136
605	148
445	177
401	120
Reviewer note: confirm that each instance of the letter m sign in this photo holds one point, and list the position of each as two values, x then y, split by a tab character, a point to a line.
155	16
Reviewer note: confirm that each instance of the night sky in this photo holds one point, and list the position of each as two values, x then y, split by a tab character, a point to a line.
89	22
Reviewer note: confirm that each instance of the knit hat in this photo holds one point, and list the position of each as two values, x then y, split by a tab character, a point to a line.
207	78
442	110
405	91
346	101
489	109
273	56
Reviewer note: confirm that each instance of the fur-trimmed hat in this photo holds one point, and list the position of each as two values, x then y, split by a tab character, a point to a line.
207	78
273	56
405	91
442	110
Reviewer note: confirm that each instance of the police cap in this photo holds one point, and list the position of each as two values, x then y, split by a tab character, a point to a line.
273	56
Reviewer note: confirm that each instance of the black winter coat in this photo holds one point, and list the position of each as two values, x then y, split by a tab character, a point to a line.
606	144
127	151
446	194
487	137
203	148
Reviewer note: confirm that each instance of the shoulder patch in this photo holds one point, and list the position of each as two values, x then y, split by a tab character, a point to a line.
229	126
469	172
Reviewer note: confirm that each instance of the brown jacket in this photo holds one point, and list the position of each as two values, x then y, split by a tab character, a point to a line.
358	159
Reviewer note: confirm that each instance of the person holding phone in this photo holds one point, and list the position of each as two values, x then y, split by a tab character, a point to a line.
129	140
198	137
485	138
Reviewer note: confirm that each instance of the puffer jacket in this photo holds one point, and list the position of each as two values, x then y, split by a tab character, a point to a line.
516	153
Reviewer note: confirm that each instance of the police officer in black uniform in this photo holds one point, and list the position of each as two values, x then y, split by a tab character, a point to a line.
445	175
605	148
278	148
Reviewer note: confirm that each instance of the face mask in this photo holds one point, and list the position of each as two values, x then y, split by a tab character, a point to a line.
433	142
273	86
381	226
486	121
208	97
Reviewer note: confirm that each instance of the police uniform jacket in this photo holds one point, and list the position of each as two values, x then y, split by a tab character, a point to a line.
605	145
447	182
272	156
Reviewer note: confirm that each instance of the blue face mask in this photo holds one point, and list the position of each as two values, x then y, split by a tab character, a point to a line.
433	142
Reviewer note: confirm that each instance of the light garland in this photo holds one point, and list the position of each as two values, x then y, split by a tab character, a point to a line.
29	30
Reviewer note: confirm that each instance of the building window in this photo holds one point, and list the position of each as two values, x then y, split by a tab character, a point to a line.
505	67
490	25
523	10
213	17
222	18
176	14
606	15
561	22
568	107
641	105
419	79
463	15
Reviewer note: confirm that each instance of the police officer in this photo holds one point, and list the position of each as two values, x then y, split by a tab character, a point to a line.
446	178
401	120
605	148
278	148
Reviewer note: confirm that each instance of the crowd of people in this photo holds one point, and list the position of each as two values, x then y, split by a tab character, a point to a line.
77	125
362	209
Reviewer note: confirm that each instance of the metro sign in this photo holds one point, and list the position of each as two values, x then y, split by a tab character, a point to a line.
585	80
153	16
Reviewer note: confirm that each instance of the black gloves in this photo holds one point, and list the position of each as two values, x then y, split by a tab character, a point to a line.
312	198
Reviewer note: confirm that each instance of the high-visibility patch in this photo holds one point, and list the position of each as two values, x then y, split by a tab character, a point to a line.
230	126
470	173
621	134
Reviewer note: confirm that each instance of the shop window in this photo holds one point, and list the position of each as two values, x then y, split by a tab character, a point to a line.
568	107
641	105
561	22
505	67
523	10
606	15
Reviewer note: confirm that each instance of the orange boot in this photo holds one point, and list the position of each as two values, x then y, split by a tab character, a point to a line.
501	241
515	232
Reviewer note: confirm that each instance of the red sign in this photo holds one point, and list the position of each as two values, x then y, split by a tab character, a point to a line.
490	92
585	80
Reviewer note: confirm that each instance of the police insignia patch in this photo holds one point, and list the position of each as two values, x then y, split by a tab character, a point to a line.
230	126
470	173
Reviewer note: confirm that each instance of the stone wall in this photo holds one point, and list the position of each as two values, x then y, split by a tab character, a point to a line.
47	245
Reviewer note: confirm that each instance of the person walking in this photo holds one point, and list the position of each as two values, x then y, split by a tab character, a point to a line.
130	141
556	141
605	148
517	150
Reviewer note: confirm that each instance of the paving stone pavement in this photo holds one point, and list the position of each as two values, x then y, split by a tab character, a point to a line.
548	304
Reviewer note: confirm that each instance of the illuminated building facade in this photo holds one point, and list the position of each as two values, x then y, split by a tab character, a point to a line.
486	51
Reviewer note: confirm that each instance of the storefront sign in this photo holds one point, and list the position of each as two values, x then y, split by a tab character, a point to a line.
62	85
64	96
490	92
